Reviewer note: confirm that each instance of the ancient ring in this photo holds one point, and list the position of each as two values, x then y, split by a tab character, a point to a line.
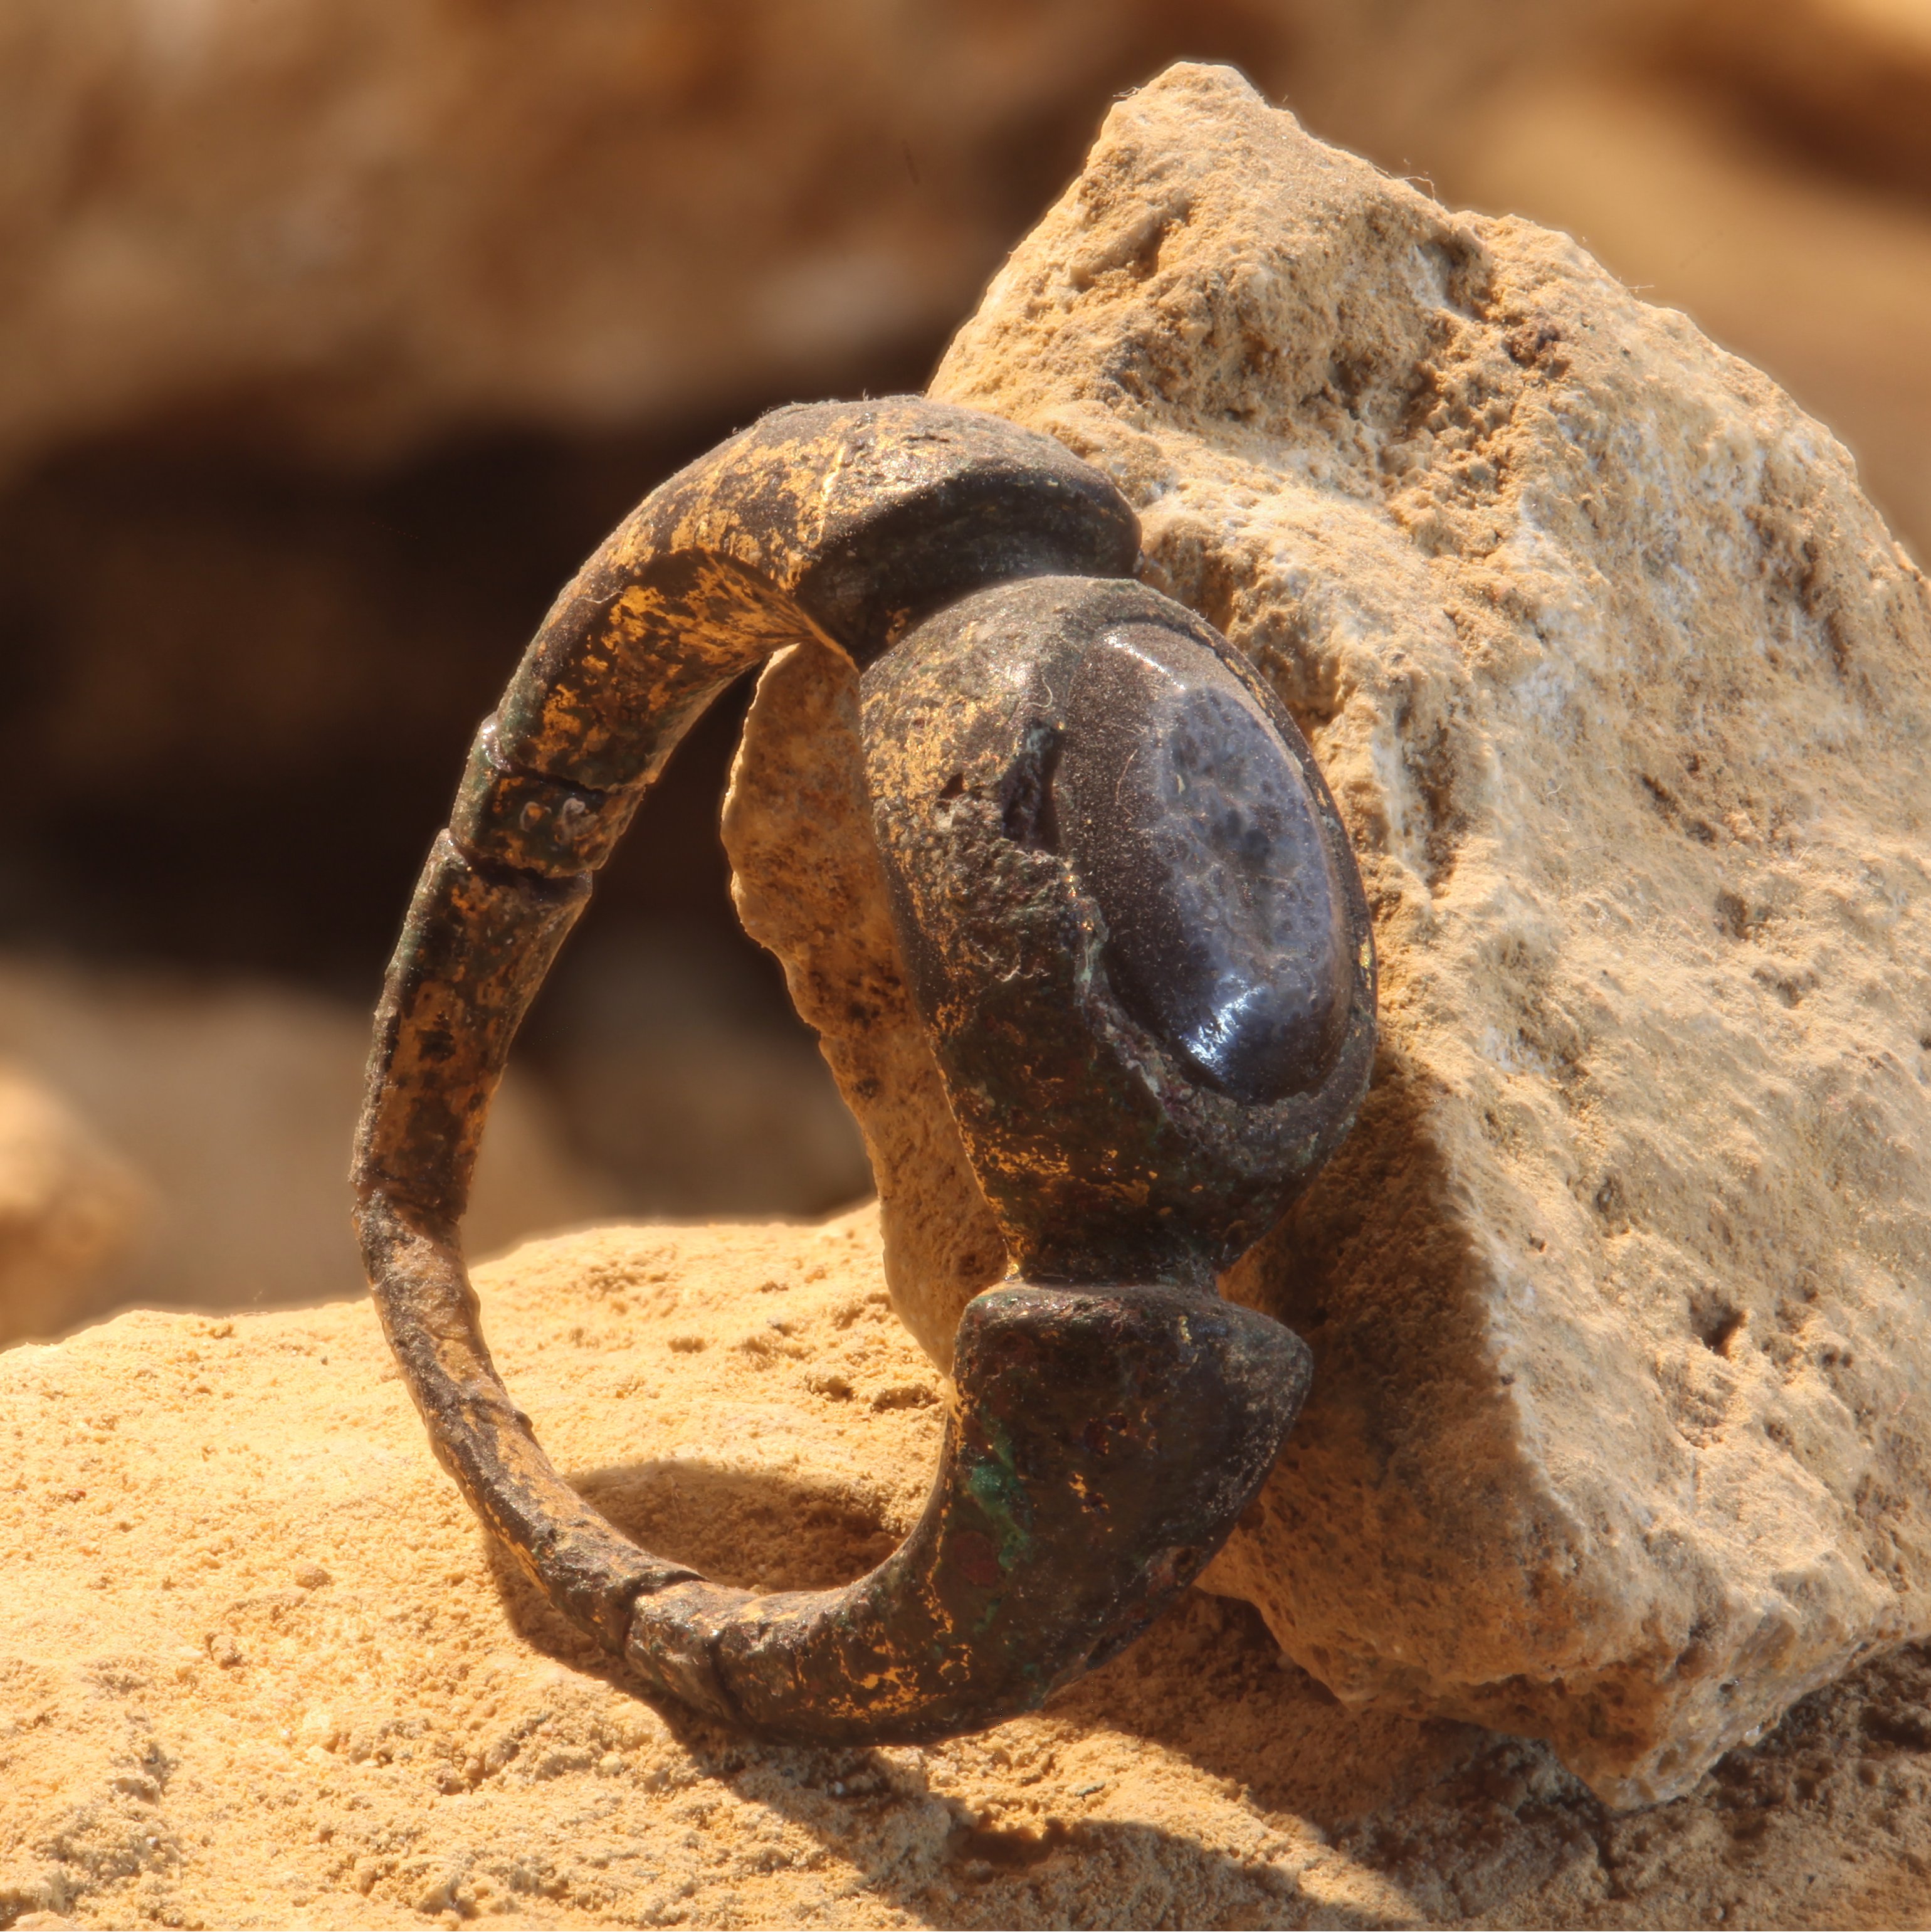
1132	925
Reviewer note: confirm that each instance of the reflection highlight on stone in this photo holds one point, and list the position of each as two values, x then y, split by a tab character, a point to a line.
1189	821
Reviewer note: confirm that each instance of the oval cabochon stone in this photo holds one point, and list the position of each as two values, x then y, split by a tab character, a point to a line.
1187	817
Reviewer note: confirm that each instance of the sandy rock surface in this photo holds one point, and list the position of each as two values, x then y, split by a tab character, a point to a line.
809	884
1791	134
1766	169
1624	690
257	1667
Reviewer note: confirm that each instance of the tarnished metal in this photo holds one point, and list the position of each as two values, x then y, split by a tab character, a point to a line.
1133	927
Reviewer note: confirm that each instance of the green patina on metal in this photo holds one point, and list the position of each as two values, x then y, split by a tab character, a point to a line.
1001	1497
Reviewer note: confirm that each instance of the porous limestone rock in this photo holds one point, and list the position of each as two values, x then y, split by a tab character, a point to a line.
259	1667
1618	1295
808	883
1764	169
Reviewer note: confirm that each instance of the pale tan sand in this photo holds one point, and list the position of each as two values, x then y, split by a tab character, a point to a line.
260	1669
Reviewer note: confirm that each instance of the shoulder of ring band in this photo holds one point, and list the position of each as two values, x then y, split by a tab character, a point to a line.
1131	923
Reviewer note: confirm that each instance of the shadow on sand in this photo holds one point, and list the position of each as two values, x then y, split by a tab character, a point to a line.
1208	1684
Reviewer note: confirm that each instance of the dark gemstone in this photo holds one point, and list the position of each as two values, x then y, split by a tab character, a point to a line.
1188	819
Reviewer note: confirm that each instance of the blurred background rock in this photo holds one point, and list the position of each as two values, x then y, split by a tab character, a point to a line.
334	333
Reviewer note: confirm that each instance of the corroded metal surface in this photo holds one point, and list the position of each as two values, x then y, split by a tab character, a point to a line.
1107	1152
1134	929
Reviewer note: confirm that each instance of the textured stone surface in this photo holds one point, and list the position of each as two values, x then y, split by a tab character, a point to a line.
1616	1294
1767	170
257	1667
808	883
